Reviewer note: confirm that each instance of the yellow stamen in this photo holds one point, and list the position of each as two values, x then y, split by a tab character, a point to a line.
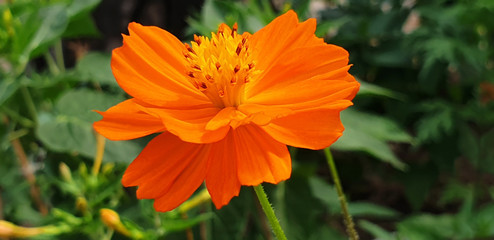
221	66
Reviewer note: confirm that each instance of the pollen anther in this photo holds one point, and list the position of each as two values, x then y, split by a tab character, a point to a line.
197	40
239	49
187	46
220	66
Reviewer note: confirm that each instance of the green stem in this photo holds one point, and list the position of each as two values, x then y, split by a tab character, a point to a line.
13	115
59	55
52	66
350	226
268	210
31	107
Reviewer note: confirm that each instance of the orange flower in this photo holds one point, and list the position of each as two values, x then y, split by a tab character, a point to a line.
225	106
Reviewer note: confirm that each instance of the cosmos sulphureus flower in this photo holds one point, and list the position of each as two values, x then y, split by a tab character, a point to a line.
225	107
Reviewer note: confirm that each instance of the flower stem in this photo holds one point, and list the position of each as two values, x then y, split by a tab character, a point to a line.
100	151
59	55
31	107
52	65
268	210
350	226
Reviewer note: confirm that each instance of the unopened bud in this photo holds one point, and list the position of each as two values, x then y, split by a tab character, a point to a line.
8	229
81	204
196	200
83	170
112	220
8	21
65	172
107	168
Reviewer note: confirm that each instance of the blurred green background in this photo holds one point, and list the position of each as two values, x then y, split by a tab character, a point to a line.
416	159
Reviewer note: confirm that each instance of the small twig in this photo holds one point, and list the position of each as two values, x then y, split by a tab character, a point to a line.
188	231
347	218
203	228
29	175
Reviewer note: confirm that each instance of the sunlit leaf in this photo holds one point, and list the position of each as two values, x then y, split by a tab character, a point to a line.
95	67
371	133
70	130
39	31
375	90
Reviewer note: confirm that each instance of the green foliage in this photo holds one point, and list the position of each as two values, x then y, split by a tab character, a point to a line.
95	67
370	133
72	119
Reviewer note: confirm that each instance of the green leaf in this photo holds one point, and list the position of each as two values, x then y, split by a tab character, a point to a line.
484	222
95	67
376	231
418	181
374	90
81	7
328	195
300	220
437	122
70	130
81	22
454	192
81	26
428	227
368	209
39	31
211	15
8	86
370	133
353	140
325	193
377	126
173	225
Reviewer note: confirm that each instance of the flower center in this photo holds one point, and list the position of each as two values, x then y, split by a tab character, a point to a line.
221	66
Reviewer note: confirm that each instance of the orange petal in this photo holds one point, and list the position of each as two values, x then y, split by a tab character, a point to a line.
316	129
262	115
221	179
168	170
304	73
289	34
228	116
308	95
190	124
260	158
152	59
126	121
246	114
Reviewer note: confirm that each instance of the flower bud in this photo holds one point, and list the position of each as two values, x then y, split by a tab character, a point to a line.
8	229
81	204
112	220
198	199
65	172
